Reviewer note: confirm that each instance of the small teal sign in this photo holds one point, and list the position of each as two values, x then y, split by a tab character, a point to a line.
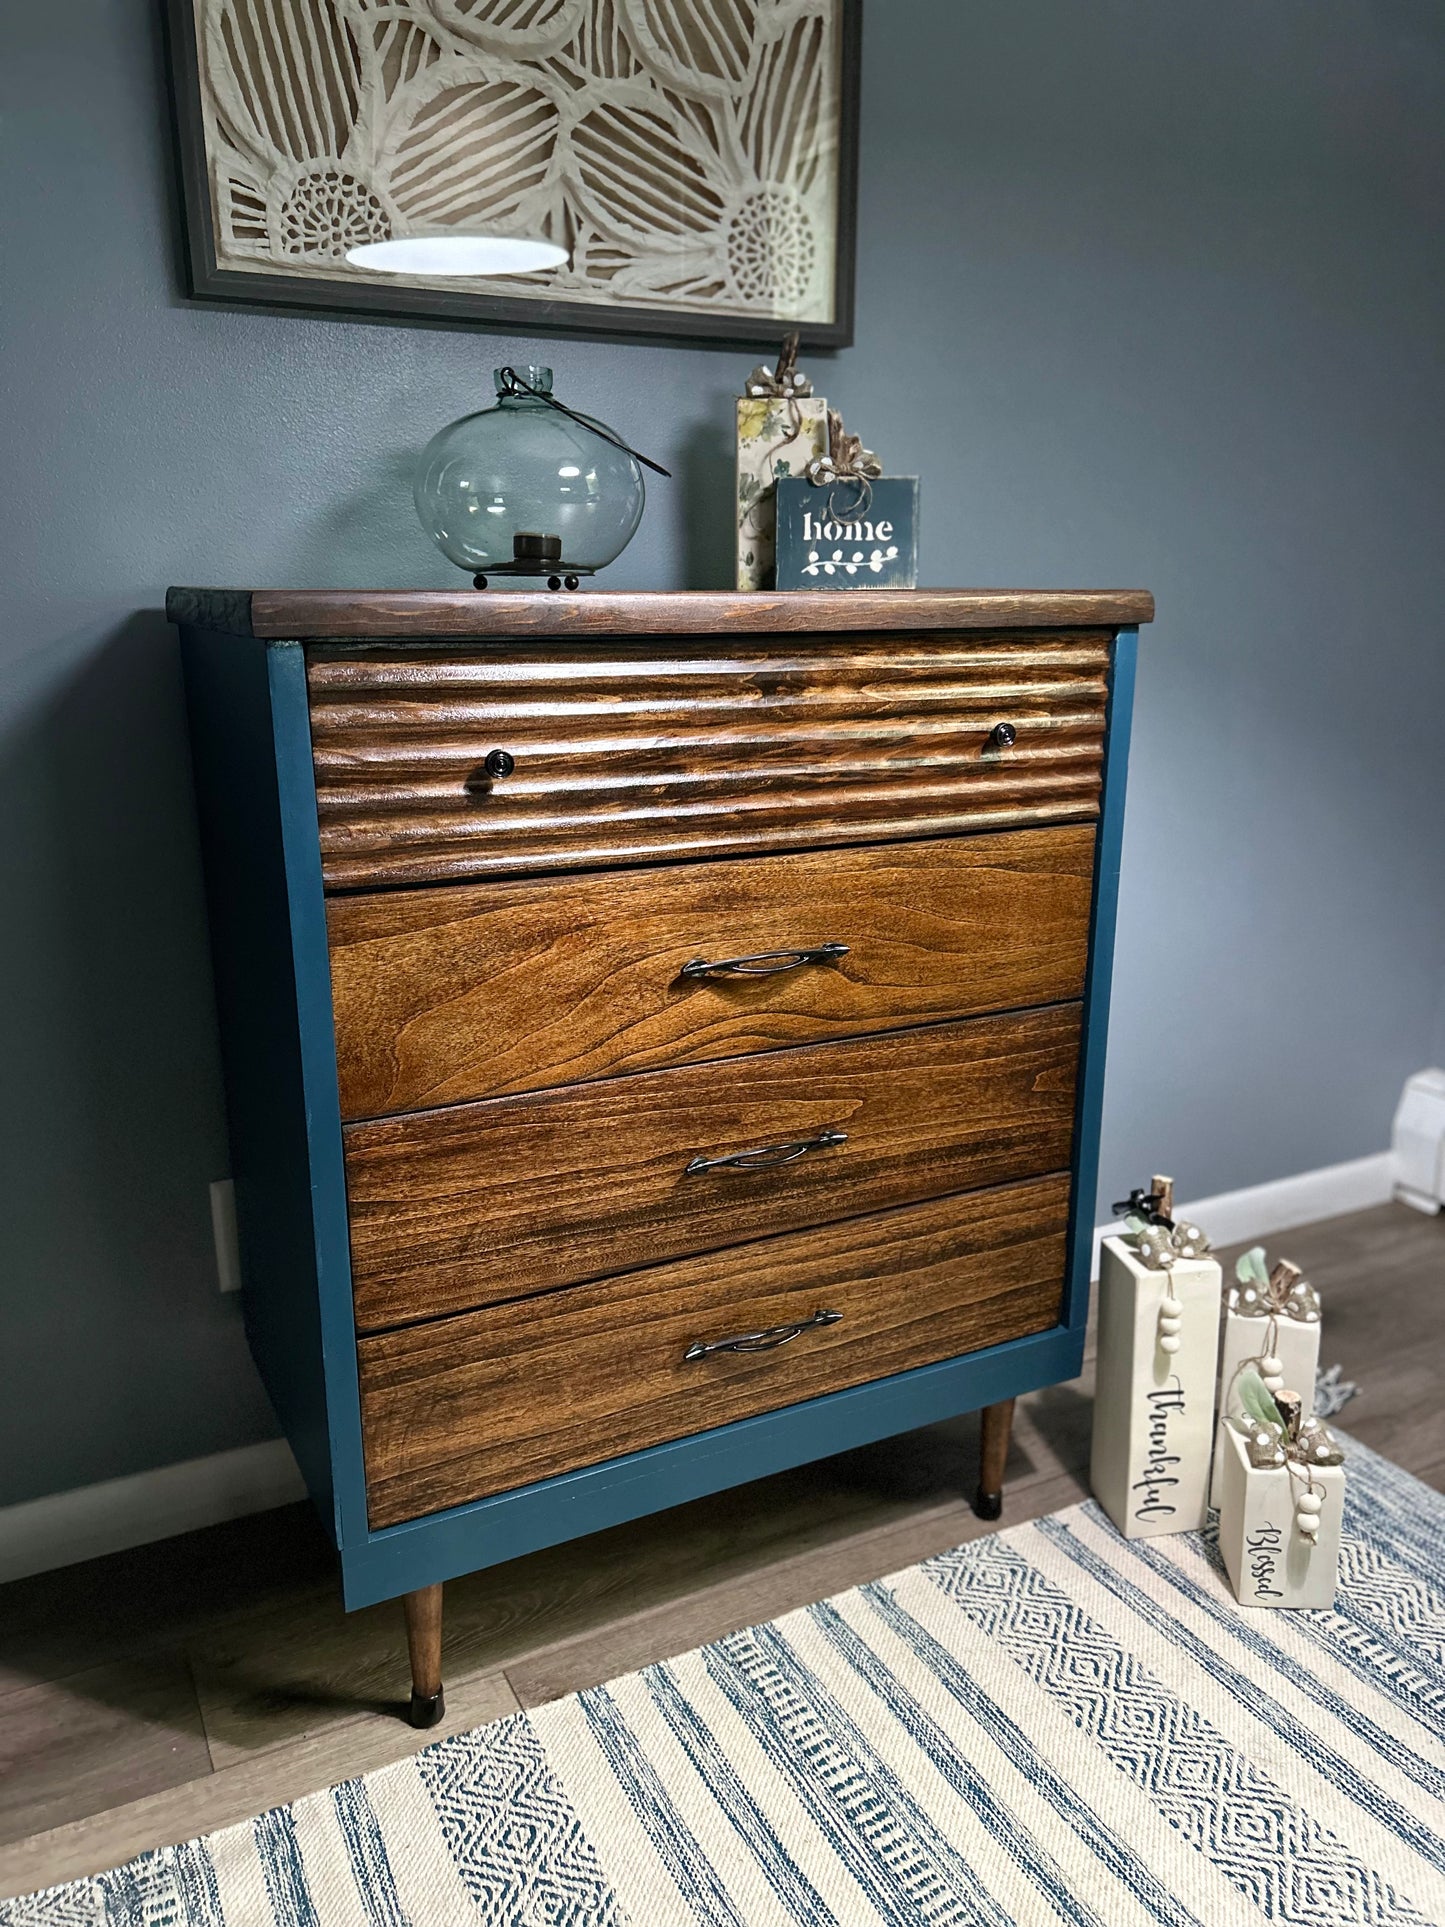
847	535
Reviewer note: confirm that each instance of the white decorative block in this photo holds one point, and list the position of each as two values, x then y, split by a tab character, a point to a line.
776	436
1154	1404
1296	1346
1269	1562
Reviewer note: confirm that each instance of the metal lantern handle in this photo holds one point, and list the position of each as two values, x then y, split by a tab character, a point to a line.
516	386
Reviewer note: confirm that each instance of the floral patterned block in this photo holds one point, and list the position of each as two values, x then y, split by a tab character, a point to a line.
776	437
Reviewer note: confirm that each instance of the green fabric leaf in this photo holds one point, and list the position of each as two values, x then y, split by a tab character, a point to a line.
1256	1400
1250	1268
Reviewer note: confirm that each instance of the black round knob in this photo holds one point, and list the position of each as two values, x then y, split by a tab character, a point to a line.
1003	736
500	762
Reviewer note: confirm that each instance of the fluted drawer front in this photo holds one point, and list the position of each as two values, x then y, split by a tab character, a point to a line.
633	752
497	1398
444	995
482	1202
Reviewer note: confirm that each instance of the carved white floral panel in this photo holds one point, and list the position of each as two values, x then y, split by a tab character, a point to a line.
685	152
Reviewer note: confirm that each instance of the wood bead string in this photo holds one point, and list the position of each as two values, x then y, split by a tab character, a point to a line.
1171	1307
1271	1366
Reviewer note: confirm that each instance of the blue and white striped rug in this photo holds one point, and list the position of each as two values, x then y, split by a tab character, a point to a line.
1048	1725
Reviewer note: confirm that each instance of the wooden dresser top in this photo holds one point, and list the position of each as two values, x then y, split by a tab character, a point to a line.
462	615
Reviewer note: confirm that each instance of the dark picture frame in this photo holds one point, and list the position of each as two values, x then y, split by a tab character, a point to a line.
208	280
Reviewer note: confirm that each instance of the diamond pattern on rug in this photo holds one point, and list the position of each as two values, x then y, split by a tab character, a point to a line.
516	1840
1380	1590
1278	1856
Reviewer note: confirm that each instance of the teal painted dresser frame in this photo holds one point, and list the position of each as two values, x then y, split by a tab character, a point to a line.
247	695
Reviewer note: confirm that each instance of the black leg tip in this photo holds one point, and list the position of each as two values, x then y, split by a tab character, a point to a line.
427	1709
988	1505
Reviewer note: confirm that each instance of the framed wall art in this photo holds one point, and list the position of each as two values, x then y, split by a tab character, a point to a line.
696	158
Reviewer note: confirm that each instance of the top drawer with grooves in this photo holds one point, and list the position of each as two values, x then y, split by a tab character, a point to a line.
504	758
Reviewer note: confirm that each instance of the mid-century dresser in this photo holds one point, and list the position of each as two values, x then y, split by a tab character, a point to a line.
663	1035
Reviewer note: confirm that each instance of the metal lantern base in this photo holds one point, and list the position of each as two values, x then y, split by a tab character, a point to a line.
564	575
539	556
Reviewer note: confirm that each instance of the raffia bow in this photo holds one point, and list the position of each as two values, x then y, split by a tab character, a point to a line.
1160	1239
847	459
786	381
1312	1446
1163	1246
1281	1293
1276	1431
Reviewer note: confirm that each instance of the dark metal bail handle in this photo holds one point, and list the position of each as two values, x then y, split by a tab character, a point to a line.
763	1341
516	386
766	963
767	1156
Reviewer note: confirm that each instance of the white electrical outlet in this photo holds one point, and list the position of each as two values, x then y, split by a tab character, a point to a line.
223	1230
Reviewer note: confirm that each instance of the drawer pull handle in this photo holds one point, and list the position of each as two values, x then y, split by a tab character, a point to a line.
767	963
767	1155
763	1341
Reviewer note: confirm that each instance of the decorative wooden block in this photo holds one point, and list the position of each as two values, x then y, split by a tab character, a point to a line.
822	543
776	438
1296	1346
1268	1561
1153	1408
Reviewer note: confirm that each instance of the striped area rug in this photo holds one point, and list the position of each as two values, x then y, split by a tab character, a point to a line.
1048	1725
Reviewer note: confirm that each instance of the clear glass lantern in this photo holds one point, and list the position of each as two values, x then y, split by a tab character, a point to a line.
523	489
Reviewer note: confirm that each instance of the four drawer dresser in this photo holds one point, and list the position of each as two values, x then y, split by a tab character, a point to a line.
663	1035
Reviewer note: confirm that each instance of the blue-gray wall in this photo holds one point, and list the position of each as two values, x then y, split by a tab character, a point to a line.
1148	293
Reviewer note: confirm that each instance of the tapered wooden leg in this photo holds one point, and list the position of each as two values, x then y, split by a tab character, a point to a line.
998	1421
424	1643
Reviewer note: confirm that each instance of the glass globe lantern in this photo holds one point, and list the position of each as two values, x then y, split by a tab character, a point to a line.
525	489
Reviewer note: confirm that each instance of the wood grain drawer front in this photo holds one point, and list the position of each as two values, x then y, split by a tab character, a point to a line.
498	1398
631	752
479	989
468	1206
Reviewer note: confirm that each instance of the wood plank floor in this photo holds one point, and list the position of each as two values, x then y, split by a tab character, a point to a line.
180	1687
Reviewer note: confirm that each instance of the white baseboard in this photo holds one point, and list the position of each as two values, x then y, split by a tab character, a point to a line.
96	1519
1237	1217
93	1520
